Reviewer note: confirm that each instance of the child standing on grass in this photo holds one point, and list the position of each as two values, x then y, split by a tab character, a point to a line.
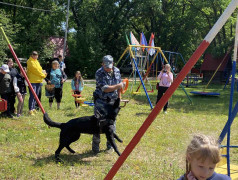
77	85
203	153
19	84
166	78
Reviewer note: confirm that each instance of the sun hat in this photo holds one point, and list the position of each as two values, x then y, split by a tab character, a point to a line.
5	68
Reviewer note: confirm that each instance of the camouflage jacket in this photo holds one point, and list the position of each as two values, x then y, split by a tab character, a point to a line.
103	80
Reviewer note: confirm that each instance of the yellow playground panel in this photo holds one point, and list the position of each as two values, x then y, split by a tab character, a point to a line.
222	166
223	170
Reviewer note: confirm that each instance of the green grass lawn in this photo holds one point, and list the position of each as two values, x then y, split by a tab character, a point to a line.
27	145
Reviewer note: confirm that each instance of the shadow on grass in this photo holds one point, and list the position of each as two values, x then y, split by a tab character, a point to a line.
71	114
141	113
67	159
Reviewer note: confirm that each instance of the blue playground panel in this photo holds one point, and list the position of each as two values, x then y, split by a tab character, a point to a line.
88	103
205	93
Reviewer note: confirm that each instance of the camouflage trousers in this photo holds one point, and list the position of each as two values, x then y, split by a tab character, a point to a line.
100	110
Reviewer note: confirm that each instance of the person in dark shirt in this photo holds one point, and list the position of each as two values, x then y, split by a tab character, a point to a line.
13	73
203	153
108	89
19	84
5	88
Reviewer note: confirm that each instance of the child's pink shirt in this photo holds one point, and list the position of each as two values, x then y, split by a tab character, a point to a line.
165	79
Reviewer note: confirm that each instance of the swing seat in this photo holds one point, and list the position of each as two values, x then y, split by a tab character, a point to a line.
89	103
151	91
76	95
80	100
135	93
83	105
200	93
125	102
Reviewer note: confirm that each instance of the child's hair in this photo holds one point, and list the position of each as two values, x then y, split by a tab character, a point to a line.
81	78
203	147
9	60
167	66
55	62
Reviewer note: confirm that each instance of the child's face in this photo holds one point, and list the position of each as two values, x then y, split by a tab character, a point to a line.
167	68
202	170
55	66
78	75
10	64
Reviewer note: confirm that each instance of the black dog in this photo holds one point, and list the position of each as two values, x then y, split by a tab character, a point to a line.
70	131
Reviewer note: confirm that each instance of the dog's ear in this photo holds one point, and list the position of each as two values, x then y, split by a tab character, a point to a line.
117	103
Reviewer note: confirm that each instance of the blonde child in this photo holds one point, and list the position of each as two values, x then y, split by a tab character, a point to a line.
166	78
19	84
203	153
77	85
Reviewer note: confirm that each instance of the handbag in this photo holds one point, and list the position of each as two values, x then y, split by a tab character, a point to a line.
3	105
49	90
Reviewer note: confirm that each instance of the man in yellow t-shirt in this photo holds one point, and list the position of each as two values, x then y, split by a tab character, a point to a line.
36	76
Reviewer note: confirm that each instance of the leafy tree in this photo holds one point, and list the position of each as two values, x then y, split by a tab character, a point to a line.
98	27
11	33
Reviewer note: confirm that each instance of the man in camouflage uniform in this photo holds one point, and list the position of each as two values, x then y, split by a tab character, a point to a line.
108	86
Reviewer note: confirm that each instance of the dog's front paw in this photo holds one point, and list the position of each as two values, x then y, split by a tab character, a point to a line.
59	161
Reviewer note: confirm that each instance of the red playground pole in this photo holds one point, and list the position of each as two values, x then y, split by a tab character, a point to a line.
191	62
22	70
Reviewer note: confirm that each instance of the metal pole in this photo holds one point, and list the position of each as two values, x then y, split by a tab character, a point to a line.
231	99
230	115
133	58
66	29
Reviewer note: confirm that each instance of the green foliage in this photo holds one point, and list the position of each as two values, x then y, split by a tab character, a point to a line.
10	30
46	50
35	27
98	27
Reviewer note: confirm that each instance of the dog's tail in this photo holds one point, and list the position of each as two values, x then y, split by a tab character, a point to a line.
51	123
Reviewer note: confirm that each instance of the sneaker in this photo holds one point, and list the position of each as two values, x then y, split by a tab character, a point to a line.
18	115
165	112
31	112
35	111
109	150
